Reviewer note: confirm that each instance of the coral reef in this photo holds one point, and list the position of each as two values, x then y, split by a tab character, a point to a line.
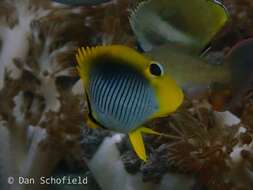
33	106
213	147
43	110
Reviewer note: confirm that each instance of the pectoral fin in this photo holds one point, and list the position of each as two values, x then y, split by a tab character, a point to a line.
137	141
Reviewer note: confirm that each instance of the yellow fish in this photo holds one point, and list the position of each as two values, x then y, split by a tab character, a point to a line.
124	90
190	24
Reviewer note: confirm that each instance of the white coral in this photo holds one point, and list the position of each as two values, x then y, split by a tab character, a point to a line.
27	103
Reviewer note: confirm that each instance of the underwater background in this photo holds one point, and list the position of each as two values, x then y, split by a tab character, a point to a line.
44	111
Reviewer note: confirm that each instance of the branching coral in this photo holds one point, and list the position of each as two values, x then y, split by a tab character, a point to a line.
40	116
41	111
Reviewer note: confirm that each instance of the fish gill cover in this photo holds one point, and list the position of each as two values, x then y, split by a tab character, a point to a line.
43	110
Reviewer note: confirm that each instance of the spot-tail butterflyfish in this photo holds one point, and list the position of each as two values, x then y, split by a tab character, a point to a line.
125	89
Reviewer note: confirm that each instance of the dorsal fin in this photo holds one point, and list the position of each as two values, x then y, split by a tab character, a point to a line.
188	23
82	67
85	56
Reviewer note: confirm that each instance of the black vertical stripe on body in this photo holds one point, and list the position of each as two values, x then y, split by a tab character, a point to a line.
121	92
144	99
123	101
131	118
121	97
137	104
115	95
95	84
95	87
100	99
98	89
134	94
94	81
91	117
108	99
105	94
92	86
129	101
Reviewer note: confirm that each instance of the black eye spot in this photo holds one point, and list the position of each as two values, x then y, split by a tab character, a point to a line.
156	69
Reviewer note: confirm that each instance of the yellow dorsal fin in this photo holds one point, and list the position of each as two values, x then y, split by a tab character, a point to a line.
86	55
82	57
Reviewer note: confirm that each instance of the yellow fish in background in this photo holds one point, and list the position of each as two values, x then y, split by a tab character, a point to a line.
124	90
189	24
175	33
192	73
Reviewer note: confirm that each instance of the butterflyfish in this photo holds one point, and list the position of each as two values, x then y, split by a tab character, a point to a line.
195	75
189	24
175	34
191	72
124	90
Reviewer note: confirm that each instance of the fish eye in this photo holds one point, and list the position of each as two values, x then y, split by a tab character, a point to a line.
156	69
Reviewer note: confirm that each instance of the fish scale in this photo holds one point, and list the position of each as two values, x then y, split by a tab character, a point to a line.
122	100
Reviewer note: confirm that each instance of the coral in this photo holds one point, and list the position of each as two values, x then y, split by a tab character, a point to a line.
214	147
247	118
43	111
40	116
241	16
